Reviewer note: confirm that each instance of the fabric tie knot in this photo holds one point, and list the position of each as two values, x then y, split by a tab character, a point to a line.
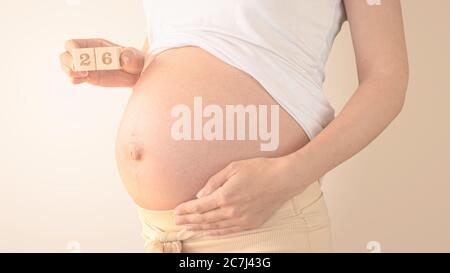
166	242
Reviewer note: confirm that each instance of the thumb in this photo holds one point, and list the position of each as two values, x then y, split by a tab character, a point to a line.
132	60
215	182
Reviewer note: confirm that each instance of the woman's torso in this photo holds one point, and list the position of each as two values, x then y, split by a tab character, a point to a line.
160	172
241	52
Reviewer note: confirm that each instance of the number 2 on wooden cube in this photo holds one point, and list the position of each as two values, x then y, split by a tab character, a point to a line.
84	59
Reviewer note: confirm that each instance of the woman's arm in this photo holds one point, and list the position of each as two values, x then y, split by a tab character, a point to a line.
380	49
243	195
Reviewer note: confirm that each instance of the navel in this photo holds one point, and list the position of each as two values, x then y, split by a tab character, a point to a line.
135	151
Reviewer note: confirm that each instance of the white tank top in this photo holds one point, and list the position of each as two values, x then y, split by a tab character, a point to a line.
283	44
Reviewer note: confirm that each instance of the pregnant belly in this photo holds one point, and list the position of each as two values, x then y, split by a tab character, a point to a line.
161	170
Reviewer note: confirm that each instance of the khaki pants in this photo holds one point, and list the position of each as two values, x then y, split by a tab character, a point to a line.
300	225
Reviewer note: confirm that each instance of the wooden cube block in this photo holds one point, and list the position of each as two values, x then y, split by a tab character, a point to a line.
83	59
107	58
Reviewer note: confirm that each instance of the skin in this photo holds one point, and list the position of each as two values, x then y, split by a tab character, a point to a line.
242	195
160	172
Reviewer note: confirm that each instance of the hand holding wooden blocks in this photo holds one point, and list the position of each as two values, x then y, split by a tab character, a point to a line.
98	58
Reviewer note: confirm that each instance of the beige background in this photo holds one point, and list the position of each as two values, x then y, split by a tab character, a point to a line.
58	181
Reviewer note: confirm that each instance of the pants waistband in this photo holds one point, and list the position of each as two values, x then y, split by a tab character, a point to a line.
161	234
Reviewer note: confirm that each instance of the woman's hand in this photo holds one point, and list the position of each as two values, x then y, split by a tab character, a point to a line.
131	60
242	196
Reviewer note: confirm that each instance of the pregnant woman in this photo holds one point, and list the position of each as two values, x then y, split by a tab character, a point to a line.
219	80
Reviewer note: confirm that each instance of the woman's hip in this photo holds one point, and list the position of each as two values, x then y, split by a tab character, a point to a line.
301	224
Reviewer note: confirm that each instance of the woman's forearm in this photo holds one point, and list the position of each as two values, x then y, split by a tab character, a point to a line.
377	101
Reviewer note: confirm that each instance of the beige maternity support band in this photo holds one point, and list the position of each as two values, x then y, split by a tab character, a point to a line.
301	224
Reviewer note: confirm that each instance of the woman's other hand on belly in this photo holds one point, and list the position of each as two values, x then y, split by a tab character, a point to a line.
242	196
131	61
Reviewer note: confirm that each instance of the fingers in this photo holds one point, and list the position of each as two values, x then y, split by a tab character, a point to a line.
223	231
198	205
66	65
132	60
217	180
66	60
212	226
197	218
79	80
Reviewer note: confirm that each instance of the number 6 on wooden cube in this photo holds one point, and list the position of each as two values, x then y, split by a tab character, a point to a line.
107	58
